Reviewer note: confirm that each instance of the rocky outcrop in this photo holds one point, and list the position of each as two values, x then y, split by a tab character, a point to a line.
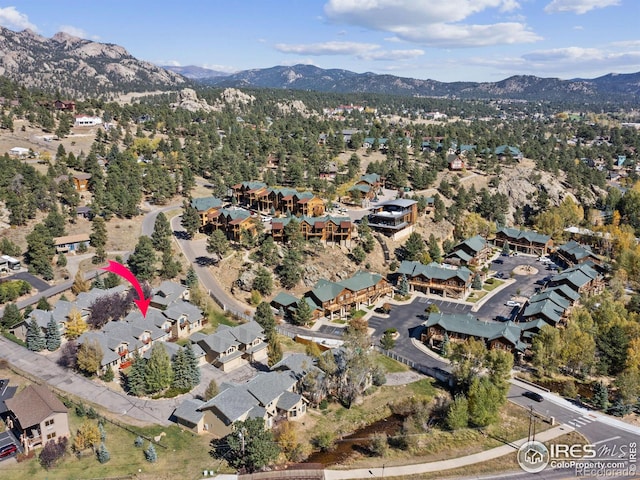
234	98
78	68
188	99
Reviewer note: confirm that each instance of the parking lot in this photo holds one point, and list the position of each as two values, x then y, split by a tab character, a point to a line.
7	438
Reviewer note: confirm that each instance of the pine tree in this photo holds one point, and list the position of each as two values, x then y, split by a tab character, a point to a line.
43	304
434	249
53	335
40	251
414	247
161	236
158	373
98	239
477	282
192	277
103	432
192	364
35	339
404	286
150	454
142	260
190	219
303	314
11	316
138	441
169	267
181	379
264	317
103	454
135	376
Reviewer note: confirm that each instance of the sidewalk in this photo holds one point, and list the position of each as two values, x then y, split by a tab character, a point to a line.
443	464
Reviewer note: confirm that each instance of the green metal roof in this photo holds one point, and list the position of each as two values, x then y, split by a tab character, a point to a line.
433	270
553	296
546	308
370	178
361	280
528	235
361	188
205	203
567	291
325	290
469	325
285	299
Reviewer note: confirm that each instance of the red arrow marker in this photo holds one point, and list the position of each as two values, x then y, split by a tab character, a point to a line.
124	272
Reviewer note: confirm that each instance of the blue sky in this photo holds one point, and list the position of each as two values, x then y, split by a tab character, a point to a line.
446	40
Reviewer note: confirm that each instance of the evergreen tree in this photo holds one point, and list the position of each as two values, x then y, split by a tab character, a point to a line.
263	282
289	271
11	316
191	361
136	374
414	247
142	260
54	222
181	378
600	396
303	314
387	341
190	219
169	268
43	304
446	345
40	251
250	446
217	243
158	373
35	339
98	239
477	282
434	249
103	454
150	454
161	236
439	208
192	277
264	317
139	441
404	286
53	335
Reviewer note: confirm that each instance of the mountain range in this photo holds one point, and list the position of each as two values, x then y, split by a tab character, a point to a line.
77	67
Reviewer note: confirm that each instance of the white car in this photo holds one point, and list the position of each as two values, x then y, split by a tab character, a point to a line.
512	303
544	259
266	218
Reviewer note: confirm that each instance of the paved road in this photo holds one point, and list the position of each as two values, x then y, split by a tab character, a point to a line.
37	283
196	253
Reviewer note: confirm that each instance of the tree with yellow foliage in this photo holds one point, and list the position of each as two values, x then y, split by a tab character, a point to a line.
79	284
76	325
88	436
475	224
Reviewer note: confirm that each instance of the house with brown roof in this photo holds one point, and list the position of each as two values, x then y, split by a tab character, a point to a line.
337	230
64	105
71	243
38	415
81	181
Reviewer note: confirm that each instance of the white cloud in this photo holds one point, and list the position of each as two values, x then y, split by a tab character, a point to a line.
432	22
13	19
362	51
578	6
328	48
220	68
580	61
75	31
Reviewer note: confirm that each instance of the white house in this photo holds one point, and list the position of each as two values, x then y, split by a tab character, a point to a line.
87	121
19	151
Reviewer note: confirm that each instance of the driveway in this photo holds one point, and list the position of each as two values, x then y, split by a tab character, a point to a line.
7	438
34	281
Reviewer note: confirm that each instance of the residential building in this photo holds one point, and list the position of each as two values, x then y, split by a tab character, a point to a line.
232	221
547	305
523	241
87	121
81	181
572	253
71	243
473	251
20	152
232	347
329	228
271	396
457	328
439	279
394	218
258	196
339	298
64	105
38	415
455	163
207	207
367	187
582	279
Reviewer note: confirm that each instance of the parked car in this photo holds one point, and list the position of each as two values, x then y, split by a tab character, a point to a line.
498	260
266	218
512	303
8	450
500	275
544	259
533	396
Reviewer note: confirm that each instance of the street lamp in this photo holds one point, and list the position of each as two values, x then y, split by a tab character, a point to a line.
373	474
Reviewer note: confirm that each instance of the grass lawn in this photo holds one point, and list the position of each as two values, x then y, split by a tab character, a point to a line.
476	295
389	364
186	456
358	314
492	286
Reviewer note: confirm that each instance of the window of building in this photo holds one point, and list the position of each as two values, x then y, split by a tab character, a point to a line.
49	422
51	435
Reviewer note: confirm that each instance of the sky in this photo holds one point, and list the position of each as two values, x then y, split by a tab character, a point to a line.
445	40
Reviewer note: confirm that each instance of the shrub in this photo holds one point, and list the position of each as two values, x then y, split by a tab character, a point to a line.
139	441
52	452
92	414
150	454
324	441
81	411
108	375
378	444
324	404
